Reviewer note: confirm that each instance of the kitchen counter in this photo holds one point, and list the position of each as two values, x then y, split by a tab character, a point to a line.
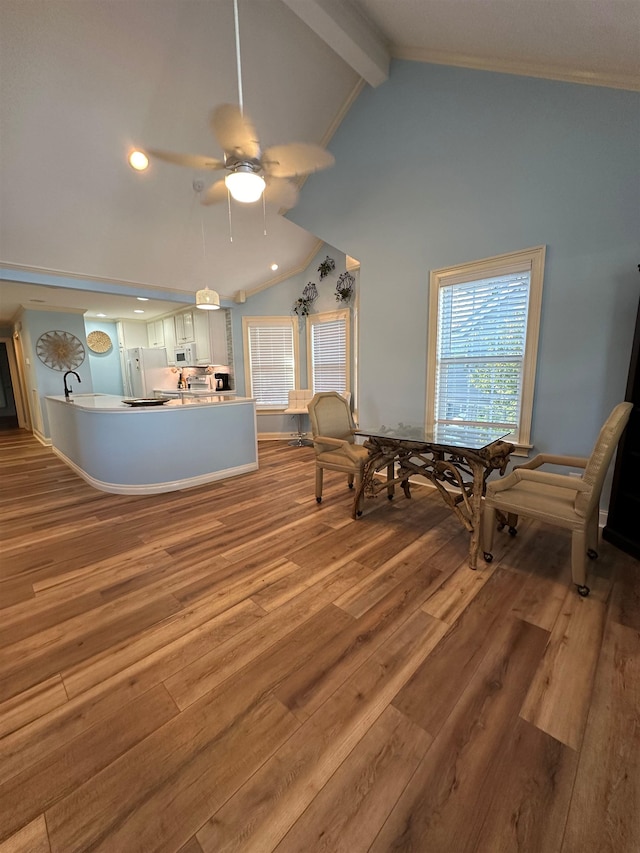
126	449
112	403
191	392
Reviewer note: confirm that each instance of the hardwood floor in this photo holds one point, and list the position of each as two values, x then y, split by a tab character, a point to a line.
235	668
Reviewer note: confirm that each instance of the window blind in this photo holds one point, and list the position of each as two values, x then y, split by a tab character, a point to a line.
482	328
329	355
272	364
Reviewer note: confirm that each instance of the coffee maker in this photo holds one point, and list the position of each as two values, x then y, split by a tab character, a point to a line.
222	381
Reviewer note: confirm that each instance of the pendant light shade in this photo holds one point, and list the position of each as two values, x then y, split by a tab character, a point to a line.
244	184
208	300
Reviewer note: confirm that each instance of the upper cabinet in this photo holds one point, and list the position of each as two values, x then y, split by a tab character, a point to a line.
202	336
170	339
155	333
185	330
219	347
207	329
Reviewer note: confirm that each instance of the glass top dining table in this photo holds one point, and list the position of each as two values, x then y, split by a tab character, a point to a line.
456	458
460	435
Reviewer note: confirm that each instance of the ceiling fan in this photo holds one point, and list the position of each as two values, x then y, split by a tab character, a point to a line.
251	172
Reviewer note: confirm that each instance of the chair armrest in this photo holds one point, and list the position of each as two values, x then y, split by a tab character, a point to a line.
553	459
563	481
332	442
338	444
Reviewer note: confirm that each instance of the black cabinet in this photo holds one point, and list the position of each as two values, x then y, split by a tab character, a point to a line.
623	522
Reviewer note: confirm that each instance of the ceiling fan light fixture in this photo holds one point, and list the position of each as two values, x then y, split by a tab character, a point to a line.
208	300
244	184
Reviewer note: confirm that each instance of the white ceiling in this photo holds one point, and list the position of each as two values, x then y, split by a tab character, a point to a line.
81	83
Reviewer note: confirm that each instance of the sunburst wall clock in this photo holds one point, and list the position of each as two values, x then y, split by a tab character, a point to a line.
60	350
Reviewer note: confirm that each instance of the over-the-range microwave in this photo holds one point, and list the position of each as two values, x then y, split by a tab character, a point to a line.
185	355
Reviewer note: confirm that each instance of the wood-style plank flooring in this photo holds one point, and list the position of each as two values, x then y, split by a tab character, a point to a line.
235	668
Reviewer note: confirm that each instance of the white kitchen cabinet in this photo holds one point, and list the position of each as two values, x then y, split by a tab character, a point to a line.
131	334
170	339
185	330
155	333
218	331
202	336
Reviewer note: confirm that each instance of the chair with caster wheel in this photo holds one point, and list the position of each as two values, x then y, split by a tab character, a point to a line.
333	439
569	502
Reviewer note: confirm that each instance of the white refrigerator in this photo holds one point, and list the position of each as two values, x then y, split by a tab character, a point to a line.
147	369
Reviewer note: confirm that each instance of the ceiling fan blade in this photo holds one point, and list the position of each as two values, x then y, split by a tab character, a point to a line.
192	161
235	132
296	158
281	192
215	194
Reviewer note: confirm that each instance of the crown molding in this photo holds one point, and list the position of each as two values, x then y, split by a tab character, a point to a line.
342	112
243	295
630	82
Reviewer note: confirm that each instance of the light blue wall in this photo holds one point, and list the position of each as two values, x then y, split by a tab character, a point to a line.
43	380
443	165
278	301
105	366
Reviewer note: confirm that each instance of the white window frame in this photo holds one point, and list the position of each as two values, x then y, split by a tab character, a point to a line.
526	260
254	322
329	317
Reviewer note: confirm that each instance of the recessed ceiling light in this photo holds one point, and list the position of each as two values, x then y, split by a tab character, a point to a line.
138	311
274	267
142	298
138	160
101	315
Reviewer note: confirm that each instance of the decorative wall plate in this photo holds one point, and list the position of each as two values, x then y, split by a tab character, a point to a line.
60	350
98	341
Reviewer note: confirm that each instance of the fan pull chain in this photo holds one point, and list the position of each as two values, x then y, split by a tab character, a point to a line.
238	62
264	215
204	245
229	208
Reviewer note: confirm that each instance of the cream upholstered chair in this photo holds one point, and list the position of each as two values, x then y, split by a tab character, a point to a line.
298	402
569	502
333	439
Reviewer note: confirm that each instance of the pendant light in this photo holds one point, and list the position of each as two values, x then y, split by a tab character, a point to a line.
244	183
208	300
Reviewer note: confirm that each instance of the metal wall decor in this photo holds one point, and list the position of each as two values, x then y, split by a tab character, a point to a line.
60	350
344	287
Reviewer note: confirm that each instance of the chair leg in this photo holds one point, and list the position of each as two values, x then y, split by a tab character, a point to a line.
488	524
360	507
319	473
350	479
579	561
512	521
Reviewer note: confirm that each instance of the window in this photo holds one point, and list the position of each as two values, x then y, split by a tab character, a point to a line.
483	341
328	351
271	359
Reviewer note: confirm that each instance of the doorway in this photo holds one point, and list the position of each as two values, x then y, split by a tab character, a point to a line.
8	411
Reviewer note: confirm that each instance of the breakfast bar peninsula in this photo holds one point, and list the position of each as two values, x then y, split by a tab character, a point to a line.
142	447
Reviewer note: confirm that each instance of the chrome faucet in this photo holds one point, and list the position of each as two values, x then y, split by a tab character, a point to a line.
67	391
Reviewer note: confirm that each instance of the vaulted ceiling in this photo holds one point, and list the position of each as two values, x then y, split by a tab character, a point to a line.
82	83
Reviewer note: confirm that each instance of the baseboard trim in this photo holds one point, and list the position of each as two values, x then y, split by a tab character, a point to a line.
156	488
